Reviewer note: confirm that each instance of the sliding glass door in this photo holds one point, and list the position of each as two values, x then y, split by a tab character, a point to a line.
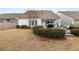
32	22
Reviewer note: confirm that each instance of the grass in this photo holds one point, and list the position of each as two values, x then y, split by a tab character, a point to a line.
25	40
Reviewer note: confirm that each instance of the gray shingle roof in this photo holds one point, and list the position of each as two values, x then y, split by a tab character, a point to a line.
43	14
13	15
30	14
72	14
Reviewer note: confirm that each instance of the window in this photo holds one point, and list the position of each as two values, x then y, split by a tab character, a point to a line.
47	22
32	22
36	22
13	20
8	20
29	22
51	22
1	20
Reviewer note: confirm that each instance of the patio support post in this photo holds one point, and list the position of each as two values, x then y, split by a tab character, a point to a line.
72	22
59	23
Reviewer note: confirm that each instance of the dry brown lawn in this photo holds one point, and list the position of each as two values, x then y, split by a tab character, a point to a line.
25	40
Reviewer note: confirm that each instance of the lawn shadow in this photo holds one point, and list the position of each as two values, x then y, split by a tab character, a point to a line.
50	38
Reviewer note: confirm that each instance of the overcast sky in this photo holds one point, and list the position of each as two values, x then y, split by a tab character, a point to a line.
20	10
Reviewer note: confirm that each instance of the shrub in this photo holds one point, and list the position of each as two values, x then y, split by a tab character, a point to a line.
54	33
37	27
24	27
58	33
17	26
75	32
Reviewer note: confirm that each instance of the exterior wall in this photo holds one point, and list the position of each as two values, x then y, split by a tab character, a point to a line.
57	23
6	25
26	21
64	20
43	23
39	22
23	22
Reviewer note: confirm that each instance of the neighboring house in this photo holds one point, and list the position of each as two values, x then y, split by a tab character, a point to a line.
29	18
69	18
9	20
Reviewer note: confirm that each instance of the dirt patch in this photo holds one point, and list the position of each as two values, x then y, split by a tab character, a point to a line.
25	40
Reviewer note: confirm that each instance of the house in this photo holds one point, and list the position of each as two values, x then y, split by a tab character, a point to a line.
38	17
30	18
69	18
